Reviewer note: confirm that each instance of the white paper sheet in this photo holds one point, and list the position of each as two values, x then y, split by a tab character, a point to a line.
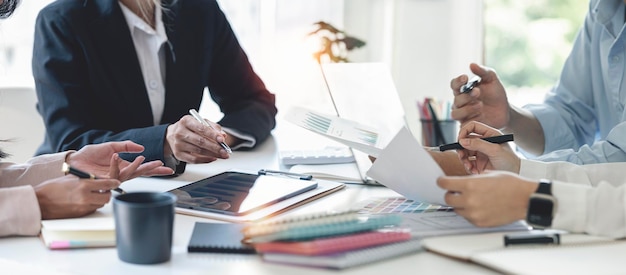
408	169
358	136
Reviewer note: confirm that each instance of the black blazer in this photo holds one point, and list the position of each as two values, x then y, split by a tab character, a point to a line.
90	86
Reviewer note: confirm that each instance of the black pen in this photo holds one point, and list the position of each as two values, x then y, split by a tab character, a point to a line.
84	175
455	146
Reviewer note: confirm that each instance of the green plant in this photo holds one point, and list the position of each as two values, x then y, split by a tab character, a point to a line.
334	44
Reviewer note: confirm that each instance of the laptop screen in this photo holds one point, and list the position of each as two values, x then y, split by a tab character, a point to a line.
365	93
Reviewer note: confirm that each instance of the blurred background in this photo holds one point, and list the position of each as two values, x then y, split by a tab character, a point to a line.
425	43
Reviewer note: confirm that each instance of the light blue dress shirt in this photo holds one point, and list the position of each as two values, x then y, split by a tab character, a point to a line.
583	116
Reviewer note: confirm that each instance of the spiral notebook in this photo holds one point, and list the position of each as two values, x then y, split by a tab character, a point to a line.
317	226
349	258
218	238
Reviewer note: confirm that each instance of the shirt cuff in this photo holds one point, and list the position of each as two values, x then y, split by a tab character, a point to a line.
176	165
551	122
533	169
571	211
247	141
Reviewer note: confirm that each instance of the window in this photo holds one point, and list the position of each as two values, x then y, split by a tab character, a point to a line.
16	44
527	43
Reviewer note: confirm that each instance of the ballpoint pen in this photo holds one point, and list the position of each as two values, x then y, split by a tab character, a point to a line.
467	87
197	116
287	174
84	175
454	146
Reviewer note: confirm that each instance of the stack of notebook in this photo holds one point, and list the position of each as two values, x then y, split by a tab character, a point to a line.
338	240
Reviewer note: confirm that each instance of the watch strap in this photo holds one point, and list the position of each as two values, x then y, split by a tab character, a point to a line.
545	187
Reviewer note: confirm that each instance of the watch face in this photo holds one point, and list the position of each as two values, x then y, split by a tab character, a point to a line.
540	211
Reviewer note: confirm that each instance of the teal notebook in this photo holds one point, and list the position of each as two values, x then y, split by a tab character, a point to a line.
317	226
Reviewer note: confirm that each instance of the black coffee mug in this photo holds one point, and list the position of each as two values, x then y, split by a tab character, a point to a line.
143	226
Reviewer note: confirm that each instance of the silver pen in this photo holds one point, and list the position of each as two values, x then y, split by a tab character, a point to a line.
197	116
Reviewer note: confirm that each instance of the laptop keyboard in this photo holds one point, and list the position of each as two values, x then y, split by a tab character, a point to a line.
401	205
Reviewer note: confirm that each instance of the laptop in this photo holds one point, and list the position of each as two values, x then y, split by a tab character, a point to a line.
365	93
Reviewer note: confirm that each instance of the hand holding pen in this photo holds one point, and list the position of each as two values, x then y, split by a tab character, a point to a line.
479	155
197	116
67	169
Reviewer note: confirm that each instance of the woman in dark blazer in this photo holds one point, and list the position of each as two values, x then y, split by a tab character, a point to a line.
91	77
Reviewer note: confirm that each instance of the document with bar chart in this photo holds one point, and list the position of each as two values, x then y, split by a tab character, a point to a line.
360	137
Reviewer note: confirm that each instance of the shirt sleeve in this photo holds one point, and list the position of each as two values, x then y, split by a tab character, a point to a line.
591	198
19	211
576	107
19	208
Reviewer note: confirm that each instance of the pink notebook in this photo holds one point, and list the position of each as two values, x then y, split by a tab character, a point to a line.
334	244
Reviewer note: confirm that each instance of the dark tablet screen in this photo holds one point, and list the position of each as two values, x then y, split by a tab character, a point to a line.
235	193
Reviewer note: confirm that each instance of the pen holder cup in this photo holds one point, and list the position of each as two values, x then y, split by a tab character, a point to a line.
144	223
432	137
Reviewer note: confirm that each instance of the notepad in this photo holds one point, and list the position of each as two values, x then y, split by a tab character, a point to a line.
350	258
336	244
218	238
577	253
317	226
92	231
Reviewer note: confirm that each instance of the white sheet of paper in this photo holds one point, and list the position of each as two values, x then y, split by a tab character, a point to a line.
405	167
358	136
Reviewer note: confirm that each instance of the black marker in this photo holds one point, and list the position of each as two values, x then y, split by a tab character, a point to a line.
532	238
84	175
495	139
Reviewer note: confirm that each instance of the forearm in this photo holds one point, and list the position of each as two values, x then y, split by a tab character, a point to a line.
528	132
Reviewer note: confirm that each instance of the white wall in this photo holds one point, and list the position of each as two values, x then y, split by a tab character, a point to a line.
425	43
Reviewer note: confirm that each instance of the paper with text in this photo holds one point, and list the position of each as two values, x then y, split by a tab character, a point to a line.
358	136
408	169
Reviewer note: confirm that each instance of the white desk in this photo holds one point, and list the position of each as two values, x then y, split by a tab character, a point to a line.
31	251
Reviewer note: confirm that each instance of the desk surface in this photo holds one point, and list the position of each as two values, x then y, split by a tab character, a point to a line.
31	251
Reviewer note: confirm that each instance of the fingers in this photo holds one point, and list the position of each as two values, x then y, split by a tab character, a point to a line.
97	193
114	169
473	127
456	84
152	168
128	172
452	183
466	107
126	147
480	145
194	142
455	186
486	74
214	132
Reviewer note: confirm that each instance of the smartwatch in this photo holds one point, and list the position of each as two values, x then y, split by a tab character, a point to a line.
541	206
